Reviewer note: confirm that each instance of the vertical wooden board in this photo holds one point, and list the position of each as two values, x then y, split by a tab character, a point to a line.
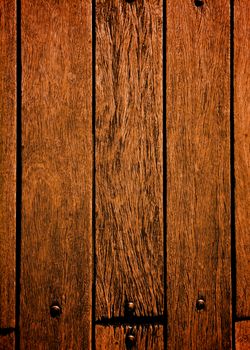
198	175
7	341
242	335
129	224
57	174
7	162
242	154
114	337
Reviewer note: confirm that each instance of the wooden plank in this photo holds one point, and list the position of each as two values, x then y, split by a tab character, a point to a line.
114	337
129	224
198	175
242	154
7	341
57	174
242	335
7	162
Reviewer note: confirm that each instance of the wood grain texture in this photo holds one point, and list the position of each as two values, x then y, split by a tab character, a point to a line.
7	162
57	174
242	154
129	228
114	338
242	335
7	342
198	175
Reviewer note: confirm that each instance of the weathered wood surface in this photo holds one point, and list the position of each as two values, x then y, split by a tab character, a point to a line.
129	213
198	175
7	162
242	335
129	228
114	338
242	154
57	174
7	341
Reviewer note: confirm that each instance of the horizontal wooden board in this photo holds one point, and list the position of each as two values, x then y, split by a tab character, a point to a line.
7	162
129	218
114	337
242	335
198	175
242	154
57	174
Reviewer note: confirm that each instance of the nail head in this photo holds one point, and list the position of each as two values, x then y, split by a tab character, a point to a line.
55	311
130	340
199	3
200	304
130	307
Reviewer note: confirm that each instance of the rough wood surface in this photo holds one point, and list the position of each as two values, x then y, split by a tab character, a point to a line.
242	154
114	338
129	229
7	342
198	175
242	335
7	162
57	174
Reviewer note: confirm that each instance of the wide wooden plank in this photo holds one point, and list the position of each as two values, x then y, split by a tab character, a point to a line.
57	174
242	335
129	224
7	341
7	162
198	175
242	154
116	337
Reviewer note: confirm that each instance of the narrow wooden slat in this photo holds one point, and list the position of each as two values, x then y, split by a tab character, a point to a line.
129	229
57	174
198	175
242	335
114	338
7	342
7	162
242	154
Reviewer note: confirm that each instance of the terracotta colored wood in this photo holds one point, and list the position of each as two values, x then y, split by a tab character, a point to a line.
114	338
242	153
242	335
198	175
57	174
7	342
7	162
129	213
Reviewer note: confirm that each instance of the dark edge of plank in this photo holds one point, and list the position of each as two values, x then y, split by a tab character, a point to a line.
143	320
241	319
93	168
18	167
242	335
6	331
232	173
